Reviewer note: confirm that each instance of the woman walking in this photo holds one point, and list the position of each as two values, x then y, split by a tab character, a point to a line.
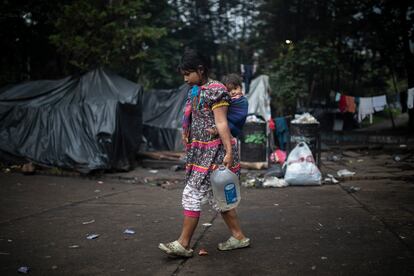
206	108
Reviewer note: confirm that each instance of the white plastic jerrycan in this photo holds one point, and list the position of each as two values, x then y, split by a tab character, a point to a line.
226	188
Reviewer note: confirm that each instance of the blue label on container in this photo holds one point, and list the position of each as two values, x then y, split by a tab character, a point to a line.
231	193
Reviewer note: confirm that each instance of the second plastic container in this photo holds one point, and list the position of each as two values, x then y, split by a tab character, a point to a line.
226	188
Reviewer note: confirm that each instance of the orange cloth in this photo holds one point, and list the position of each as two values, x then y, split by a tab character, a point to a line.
350	104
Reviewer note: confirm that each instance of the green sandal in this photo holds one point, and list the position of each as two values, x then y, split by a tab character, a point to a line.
233	243
175	249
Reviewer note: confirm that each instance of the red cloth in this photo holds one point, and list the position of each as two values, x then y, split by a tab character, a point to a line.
350	104
272	124
342	103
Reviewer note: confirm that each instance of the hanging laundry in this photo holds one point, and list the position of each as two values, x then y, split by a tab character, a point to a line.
337	96
365	108
410	98
379	102
350	104
342	103
282	132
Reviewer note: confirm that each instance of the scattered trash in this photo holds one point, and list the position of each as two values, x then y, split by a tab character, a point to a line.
275	170
360	160
304	118
249	183
334	157
273	181
153	171
202	252
9	240
403	146
253	118
278	156
324	258
97	191
397	158
276	204
129	231
345	172
352	189
207	224
402	237
88	222
301	168
313	267
54	267
320	224
6	170
169	185
100	182
330	179
277	238
92	236
28	169
175	168
73	246
23	269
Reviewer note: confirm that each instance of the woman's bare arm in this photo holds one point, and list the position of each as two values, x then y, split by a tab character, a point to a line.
220	118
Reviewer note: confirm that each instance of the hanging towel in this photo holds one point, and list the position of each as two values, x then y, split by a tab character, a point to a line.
410	98
350	104
342	103
365	108
337	96
282	132
379	102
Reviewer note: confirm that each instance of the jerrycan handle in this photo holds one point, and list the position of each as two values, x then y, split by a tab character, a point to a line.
222	167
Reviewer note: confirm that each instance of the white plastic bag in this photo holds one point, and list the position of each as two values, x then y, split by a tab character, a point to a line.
301	168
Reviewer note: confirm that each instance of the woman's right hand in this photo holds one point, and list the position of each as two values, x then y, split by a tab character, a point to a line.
228	160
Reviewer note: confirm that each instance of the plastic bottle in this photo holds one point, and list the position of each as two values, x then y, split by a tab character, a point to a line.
226	188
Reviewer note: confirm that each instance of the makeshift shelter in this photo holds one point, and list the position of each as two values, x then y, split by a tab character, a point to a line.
84	123
162	118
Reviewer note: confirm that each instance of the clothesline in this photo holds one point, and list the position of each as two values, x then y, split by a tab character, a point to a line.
366	105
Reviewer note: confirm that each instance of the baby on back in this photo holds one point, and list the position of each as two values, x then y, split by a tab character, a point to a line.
238	109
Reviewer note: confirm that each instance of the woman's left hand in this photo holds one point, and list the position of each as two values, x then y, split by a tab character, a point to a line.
228	160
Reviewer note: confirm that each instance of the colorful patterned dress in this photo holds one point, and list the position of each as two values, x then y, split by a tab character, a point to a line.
204	152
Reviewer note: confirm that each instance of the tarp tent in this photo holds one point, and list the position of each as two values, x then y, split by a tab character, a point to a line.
162	118
84	123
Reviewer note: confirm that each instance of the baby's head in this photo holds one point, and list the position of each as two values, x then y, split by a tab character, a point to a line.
233	83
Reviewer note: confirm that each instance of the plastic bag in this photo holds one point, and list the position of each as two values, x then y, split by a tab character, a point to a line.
301	168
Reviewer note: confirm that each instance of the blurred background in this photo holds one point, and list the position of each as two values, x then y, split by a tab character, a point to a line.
308	48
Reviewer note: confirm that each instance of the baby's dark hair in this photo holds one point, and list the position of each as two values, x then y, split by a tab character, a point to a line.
192	60
232	81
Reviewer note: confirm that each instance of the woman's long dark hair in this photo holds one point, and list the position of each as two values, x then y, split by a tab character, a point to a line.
192	60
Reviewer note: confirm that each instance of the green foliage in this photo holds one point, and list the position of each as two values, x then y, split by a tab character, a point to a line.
294	70
255	138
122	35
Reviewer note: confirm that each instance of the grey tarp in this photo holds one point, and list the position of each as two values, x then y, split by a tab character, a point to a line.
162	118
83	123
